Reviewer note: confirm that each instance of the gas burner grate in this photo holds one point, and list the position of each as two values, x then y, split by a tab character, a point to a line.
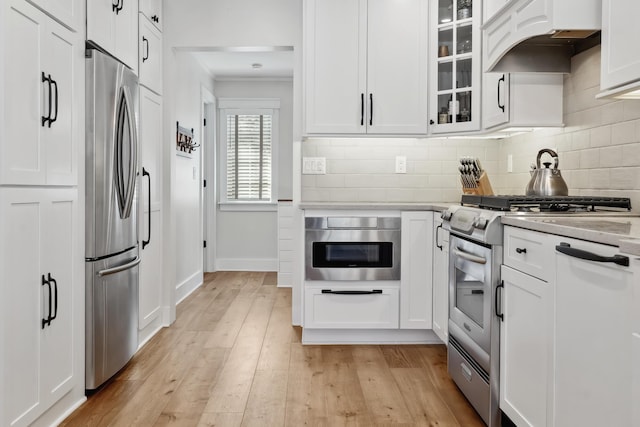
550	203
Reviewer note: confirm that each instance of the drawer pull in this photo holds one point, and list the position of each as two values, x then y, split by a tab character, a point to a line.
374	291
566	249
521	250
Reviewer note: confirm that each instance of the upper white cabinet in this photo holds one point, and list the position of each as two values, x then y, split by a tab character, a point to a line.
593	332
416	289
43	98
620	63
491	7
365	67
150	56
113	25
152	9
41	302
68	12
521	100
454	60
440	279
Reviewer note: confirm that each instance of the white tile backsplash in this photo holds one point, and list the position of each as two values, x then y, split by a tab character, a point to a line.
599	150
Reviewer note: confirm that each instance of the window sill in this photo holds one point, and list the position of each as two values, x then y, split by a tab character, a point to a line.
248	206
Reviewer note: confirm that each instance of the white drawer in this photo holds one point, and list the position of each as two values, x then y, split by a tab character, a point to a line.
378	310
530	252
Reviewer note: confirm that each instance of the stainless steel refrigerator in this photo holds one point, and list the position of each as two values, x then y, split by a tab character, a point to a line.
111	217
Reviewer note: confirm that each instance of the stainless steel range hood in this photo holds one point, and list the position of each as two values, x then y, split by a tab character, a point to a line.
540	35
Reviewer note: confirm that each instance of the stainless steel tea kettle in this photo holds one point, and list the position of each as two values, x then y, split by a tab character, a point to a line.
546	181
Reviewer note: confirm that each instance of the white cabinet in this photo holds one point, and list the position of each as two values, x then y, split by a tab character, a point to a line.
526	330
635	378
365	67
351	307
454	60
150	56
113	25
41	299
416	289
490	7
620	60
526	344
152	9
521	100
150	289
68	12
440	280
593	330
43	98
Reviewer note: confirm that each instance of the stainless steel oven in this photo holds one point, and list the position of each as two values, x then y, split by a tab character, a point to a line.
352	248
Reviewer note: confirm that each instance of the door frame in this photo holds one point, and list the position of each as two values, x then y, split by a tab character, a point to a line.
208	167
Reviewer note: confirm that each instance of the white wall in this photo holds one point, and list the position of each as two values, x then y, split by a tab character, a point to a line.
249	240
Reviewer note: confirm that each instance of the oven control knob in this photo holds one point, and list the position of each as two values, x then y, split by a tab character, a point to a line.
480	223
446	215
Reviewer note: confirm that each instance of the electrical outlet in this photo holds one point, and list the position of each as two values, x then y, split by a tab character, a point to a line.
509	163
401	164
314	165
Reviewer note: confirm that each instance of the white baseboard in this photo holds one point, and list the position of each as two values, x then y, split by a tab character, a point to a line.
369	336
149	331
55	415
285	280
189	285
247	264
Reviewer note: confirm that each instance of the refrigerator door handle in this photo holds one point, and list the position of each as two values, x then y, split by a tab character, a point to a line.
147	174
133	146
119	268
125	189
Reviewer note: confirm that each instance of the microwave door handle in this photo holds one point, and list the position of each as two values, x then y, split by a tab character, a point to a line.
469	257
133	146
120	268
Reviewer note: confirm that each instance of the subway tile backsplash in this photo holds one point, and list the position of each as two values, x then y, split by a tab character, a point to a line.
599	150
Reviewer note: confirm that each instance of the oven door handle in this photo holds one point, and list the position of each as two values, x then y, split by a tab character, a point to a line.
469	257
374	291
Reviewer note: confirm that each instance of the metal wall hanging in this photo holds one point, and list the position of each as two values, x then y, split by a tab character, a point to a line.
185	143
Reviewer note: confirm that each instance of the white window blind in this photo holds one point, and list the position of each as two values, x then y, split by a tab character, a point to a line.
249	157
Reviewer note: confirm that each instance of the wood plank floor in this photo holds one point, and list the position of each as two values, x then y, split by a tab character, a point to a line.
232	358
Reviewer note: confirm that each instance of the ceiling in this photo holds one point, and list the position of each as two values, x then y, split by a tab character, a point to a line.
227	63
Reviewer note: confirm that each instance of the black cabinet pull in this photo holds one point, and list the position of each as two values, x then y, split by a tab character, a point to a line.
147	174
498	299
362	109
55	294
431	122
145	40
46	321
437	245
374	291
118	6
501	79
114	6
565	248
370	109
521	250
47	119
155	18
55	86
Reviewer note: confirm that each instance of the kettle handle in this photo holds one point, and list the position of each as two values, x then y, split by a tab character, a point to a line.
551	153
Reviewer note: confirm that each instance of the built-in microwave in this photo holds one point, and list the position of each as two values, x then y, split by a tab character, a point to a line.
352	248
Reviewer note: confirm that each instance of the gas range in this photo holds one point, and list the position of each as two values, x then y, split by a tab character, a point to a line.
479	217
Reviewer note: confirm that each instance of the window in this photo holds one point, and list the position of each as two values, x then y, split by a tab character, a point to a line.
248	139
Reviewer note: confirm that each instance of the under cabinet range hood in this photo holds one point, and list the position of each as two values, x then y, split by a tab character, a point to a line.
540	35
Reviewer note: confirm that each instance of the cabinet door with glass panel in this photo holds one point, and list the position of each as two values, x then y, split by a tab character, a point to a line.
455	73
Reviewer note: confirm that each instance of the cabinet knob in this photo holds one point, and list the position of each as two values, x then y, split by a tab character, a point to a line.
521	250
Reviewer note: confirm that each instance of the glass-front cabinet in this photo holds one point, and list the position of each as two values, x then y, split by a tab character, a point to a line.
455	70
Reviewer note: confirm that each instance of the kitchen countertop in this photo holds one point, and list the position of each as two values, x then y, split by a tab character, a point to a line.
401	206
623	232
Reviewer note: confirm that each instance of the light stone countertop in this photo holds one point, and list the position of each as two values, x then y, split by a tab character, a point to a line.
620	231
401	206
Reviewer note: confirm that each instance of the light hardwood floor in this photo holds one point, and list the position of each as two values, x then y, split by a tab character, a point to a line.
232	358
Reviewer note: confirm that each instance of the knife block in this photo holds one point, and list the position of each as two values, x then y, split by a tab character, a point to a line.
483	187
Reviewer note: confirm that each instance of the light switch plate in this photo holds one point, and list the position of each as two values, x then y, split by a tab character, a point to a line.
314	165
401	164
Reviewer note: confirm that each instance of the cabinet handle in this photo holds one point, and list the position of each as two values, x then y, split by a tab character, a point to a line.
114	6
119	6
374	291
145	40
55	294
155	18
437	245
499	299
47	119
521	250
55	85
501	79
145	173
370	109
362	109
46	321
565	248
